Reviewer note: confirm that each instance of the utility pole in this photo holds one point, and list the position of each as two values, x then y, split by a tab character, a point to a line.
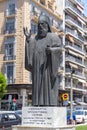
71	96
71	100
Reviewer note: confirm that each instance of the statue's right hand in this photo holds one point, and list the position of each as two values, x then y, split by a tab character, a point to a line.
26	32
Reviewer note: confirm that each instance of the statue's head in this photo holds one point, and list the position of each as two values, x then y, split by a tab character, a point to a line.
43	25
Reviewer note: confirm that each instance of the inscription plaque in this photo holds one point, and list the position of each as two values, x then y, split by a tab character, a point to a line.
44	116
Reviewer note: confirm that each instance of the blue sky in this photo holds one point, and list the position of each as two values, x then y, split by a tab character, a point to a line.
85	4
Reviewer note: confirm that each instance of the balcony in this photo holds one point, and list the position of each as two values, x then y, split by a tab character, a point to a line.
85	35
11	13
73	22
74	10
10	31
74	47
51	5
77	73
80	2
10	57
44	5
74	33
74	60
75	86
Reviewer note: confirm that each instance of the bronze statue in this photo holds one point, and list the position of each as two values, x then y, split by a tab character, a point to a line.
41	58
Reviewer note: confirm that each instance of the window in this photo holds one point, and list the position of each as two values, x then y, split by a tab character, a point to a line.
9	72
10	48
4	117
11	116
6	96
10	26
33	28
9	39
34	10
11	7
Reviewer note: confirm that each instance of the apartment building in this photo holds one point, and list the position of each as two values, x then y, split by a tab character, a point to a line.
85	48
16	14
74	57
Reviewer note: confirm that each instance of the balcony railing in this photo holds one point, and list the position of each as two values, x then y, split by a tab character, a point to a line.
75	86
11	57
11	12
78	36
74	21
73	59
77	72
74	8
67	43
9	31
80	2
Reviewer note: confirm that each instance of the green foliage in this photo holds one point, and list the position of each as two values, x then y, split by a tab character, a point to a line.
3	85
82	127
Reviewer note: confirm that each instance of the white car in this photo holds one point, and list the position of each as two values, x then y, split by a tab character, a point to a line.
81	116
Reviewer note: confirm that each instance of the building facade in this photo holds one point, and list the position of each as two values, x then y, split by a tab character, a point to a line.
16	14
73	24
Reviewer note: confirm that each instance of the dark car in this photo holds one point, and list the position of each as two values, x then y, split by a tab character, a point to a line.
7	119
19	113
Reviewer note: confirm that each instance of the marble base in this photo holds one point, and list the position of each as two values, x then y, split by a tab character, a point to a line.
50	117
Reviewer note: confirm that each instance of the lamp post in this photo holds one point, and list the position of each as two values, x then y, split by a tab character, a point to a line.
71	97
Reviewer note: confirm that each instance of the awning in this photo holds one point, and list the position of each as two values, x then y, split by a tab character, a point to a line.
71	52
79	7
81	103
71	39
81	80
73	65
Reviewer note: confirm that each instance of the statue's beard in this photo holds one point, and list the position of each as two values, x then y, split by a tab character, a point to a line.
42	33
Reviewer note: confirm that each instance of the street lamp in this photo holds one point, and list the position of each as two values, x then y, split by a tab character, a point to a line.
71	95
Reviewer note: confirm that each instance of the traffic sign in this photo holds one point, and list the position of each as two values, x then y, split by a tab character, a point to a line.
65	96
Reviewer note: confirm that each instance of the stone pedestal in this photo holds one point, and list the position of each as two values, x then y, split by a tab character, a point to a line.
44	118
41	128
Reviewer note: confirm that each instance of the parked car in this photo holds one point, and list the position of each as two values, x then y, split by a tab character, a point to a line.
81	116
19	113
73	117
7	119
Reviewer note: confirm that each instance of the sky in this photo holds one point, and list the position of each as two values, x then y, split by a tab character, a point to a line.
85	5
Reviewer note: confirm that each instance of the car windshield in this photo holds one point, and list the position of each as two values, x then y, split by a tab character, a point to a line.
79	112
18	112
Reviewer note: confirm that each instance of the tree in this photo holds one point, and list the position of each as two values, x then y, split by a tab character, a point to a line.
3	85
